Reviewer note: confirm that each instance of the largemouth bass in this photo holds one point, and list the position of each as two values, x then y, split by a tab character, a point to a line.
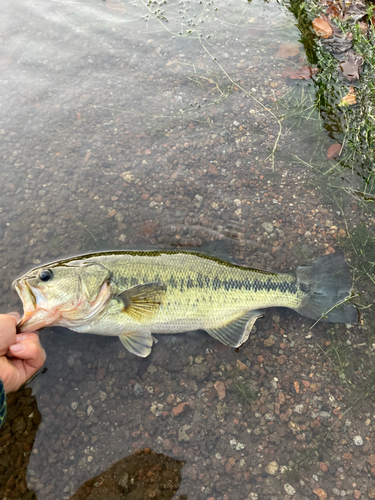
132	294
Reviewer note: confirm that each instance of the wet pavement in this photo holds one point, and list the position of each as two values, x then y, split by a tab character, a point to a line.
135	125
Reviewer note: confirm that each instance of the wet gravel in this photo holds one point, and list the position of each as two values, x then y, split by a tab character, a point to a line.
115	138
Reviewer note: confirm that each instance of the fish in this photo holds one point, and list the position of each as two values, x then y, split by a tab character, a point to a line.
133	294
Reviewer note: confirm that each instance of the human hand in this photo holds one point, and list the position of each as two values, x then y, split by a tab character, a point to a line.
21	356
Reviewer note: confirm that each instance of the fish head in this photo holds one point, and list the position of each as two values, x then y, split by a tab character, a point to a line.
63	294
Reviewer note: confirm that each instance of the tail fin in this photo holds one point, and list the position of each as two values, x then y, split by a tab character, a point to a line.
326	283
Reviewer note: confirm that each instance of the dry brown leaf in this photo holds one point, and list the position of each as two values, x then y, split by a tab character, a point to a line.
322	28
334	151
349	99
288	50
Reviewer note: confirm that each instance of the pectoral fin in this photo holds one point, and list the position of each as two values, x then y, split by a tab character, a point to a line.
237	331
139	343
142	301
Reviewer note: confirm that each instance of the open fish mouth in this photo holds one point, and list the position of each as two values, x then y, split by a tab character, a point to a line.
36	313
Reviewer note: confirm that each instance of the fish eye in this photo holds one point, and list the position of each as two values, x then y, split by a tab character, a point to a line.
45	274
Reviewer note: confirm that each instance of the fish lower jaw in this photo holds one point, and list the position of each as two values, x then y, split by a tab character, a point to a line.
37	319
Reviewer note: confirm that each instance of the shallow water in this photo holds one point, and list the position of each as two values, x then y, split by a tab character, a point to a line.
135	125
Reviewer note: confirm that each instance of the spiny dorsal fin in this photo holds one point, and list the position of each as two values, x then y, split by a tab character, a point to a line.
236	332
142	301
139	343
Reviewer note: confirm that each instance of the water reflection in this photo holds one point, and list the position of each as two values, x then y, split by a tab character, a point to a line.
17	437
145	474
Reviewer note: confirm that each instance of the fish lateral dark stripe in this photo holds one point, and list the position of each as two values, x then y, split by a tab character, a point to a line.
172	282
200	281
189	283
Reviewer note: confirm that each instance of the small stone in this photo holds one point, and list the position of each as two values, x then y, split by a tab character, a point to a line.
236	445
241	366
124	481
128	176
167	444
357	494
170	399
177	410
182	434
371	493
138	390
323	467
298	409
272	468
253	496
152	369
289	489
358	440
268	227
320	493
268	342
220	388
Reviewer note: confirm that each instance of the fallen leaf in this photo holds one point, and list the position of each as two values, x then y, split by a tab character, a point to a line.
116	6
349	99
322	28
288	50
334	151
363	26
334	10
303	73
351	69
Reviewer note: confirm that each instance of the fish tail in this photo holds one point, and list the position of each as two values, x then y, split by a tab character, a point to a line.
326	285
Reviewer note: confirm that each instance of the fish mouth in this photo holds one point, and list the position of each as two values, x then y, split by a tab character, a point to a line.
36	313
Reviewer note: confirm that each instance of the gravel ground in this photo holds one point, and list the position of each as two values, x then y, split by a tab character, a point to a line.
118	132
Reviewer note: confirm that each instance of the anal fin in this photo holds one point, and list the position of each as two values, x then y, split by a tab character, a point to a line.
237	331
139	343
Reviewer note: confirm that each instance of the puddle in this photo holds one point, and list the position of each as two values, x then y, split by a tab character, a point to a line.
138	125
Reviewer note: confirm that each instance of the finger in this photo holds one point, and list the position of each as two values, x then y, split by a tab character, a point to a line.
30	351
33	336
7	332
14	314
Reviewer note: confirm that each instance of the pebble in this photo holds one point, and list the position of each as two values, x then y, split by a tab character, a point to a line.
272	468
358	440
268	227
322	495
177	410
289	489
220	388
138	390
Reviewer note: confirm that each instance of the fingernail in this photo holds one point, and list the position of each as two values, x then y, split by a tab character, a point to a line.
16	348
14	314
20	337
44	354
